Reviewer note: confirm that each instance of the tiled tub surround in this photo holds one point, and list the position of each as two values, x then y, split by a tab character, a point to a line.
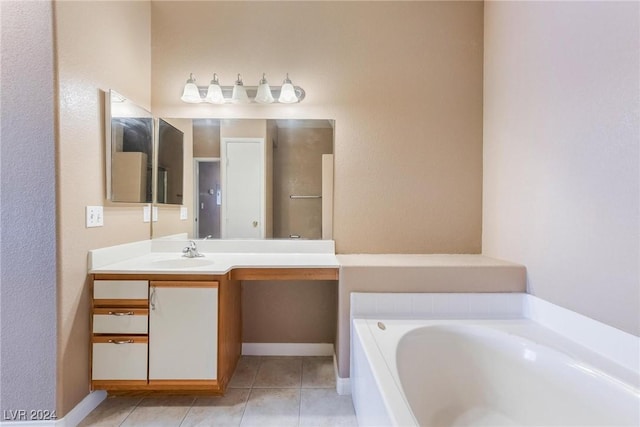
587	373
264	391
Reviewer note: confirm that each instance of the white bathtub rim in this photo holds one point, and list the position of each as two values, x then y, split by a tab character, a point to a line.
384	354
397	407
621	347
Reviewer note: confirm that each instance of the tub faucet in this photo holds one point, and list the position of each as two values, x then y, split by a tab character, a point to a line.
191	250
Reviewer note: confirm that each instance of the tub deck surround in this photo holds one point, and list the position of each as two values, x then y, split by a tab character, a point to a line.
243	259
419	274
491	360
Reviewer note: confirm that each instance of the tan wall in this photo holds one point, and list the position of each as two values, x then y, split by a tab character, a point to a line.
289	312
561	152
403	80
206	138
100	45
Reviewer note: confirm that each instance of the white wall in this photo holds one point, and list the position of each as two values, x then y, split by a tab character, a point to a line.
561	157
28	210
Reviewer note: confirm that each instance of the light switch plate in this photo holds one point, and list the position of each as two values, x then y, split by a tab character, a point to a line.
154	213
146	213
183	213
95	216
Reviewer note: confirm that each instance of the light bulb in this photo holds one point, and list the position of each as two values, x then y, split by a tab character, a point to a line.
191	94
264	96
287	92
214	92
239	95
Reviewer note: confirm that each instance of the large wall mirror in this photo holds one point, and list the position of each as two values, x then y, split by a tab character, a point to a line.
256	178
129	150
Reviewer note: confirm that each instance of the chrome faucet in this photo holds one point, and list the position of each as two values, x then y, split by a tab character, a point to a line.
191	251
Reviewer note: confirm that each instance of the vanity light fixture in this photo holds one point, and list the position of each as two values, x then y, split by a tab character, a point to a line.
241	94
191	94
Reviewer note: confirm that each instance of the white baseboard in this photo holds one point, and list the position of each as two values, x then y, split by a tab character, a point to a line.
286	349
72	419
343	385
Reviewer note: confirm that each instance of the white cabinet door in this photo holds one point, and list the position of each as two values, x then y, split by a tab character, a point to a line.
243	188
183	331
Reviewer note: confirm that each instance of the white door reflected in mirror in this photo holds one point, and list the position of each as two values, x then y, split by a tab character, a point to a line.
244	181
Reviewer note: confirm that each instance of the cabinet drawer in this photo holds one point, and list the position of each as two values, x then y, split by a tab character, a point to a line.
121	292
120	321
119	358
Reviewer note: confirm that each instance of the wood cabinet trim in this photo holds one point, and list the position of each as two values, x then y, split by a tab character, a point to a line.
107	311
120	303
118	384
248	273
185	383
105	339
284	274
183	284
156	276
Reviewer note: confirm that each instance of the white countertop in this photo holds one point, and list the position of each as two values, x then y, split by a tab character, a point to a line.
164	256
220	257
215	263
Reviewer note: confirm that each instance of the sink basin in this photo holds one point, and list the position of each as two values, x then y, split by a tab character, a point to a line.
182	263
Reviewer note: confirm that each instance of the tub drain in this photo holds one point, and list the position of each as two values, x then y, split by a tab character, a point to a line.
381	326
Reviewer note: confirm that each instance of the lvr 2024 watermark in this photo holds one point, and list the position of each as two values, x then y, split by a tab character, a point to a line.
28	415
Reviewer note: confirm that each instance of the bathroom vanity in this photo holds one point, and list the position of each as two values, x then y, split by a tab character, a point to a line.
165	323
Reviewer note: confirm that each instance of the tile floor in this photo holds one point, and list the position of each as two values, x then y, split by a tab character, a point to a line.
264	391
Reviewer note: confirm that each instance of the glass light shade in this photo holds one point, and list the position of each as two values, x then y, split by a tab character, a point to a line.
263	95
287	92
214	92
239	94
191	94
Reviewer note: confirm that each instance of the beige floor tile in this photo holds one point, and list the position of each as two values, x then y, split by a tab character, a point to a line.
324	407
245	372
218	411
272	407
160	412
279	372
111	412
318	372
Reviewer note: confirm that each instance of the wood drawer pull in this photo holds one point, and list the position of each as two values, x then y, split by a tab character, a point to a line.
121	313
121	341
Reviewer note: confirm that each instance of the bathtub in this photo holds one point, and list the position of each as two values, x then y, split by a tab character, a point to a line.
486	372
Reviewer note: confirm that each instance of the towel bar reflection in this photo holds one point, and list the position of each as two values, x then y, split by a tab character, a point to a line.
292	196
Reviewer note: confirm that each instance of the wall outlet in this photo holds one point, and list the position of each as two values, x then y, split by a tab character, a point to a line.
95	216
183	213
146	213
